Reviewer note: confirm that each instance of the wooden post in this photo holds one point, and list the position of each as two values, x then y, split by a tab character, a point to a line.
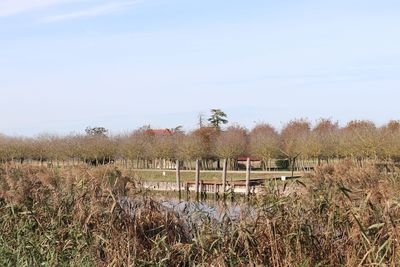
178	177
224	167
248	169
197	178
202	189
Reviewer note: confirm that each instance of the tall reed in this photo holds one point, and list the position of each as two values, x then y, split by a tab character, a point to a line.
341	215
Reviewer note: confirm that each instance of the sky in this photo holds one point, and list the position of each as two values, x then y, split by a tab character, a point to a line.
122	64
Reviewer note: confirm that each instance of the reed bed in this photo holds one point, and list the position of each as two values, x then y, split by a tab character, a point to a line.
341	215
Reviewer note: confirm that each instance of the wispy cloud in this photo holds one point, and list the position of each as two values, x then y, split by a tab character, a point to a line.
14	7
99	10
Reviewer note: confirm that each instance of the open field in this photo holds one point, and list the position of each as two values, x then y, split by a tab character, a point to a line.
341	215
170	176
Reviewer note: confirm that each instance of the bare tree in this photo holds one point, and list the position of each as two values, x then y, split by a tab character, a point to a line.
264	144
360	140
207	137
293	140
191	148
164	148
99	148
323	141
232	144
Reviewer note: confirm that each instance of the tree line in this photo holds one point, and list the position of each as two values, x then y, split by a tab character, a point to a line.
299	145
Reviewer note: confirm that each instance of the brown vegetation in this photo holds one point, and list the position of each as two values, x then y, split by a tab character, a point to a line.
344	214
301	144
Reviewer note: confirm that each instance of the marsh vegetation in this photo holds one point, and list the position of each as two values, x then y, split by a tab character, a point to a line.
343	214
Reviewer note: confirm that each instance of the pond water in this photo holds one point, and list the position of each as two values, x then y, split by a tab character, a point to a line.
216	210
196	212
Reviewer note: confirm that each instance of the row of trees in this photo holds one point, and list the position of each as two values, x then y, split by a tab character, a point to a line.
300	143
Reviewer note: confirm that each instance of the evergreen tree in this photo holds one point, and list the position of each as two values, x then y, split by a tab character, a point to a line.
217	118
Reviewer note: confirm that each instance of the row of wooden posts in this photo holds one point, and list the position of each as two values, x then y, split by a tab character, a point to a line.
224	176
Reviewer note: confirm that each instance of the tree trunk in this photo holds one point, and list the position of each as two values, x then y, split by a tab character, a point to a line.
293	166
178	177
197	178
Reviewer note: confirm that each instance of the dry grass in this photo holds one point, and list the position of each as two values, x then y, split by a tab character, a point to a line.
342	215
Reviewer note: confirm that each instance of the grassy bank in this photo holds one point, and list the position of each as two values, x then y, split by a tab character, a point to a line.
342	215
169	175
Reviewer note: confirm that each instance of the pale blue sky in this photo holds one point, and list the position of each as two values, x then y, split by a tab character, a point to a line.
67	64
